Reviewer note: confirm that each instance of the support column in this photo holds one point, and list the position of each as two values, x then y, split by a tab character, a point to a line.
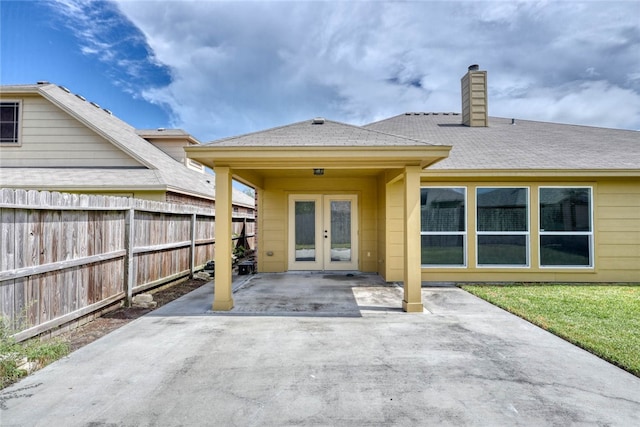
222	297
412	301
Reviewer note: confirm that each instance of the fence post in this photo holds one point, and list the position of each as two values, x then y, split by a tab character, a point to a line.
128	259
192	263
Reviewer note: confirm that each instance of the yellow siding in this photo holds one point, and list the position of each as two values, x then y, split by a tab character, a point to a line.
395	232
52	138
382	227
618	231
273	217
616	220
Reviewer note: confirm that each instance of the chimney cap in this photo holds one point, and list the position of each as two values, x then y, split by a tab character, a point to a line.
474	67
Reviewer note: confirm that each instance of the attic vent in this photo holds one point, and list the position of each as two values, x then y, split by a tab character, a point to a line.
318	121
94	104
107	111
81	97
64	89
43	82
161	129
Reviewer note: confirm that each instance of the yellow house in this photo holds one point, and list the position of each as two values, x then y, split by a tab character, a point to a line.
436	197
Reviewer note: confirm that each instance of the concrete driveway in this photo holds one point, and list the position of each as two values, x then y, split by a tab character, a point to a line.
326	349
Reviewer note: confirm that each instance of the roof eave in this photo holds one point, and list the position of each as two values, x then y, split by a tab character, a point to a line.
346	157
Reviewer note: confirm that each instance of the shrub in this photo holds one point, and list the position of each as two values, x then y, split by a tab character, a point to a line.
19	359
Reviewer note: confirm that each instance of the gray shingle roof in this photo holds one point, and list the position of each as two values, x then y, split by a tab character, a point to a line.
327	134
163	172
523	145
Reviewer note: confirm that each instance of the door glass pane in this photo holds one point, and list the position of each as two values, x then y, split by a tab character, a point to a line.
305	231
340	230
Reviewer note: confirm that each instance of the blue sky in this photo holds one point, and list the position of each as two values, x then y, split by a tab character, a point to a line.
218	69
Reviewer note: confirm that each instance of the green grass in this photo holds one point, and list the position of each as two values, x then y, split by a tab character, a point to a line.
604	320
12	354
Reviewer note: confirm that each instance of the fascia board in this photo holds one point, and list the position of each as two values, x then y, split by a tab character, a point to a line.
297	157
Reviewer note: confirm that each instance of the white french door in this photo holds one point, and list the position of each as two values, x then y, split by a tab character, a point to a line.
323	232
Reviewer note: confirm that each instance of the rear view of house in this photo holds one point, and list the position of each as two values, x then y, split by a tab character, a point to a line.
438	196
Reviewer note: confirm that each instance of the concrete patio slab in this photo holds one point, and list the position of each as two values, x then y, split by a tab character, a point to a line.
326	349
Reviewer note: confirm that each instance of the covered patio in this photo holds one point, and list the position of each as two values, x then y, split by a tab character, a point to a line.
315	164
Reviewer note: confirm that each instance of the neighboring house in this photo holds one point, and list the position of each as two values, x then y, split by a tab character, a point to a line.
172	142
54	140
441	197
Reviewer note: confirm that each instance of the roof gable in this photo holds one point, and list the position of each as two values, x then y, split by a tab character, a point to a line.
163	172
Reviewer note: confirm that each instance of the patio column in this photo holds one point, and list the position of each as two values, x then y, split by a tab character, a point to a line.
412	301
222	297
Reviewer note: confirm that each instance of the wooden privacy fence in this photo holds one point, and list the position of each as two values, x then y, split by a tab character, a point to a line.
65	256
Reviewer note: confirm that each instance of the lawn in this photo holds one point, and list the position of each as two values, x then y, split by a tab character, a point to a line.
604	320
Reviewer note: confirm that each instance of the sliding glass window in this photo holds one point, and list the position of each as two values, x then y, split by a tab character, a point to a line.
566	227
443	226
502	225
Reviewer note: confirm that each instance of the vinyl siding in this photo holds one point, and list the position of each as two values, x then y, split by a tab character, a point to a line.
52	138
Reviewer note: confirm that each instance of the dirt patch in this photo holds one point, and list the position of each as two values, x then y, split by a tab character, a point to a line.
101	326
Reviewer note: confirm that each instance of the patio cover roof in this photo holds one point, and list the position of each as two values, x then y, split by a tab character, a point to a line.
295	150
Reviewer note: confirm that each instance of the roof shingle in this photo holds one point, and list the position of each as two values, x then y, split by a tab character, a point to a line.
523	145
327	134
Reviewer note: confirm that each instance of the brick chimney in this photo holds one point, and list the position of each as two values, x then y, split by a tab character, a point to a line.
475	108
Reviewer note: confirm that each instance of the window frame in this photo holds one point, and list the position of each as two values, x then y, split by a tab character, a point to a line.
526	233
18	141
464	234
589	233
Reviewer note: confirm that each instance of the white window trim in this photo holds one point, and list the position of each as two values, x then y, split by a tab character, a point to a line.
20	108
505	233
541	232
451	233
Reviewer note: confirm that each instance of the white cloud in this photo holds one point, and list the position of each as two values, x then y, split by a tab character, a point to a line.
107	35
240	67
589	103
